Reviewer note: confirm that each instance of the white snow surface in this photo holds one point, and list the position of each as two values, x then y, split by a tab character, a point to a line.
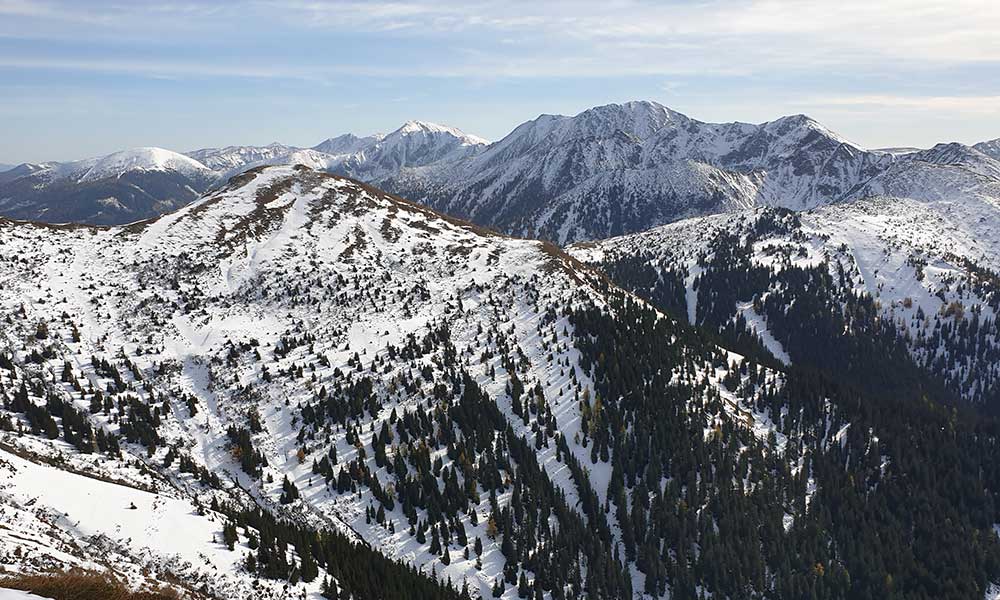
7	594
282	251
144	159
161	532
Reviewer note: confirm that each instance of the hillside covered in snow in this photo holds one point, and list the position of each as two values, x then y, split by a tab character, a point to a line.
899	286
301	386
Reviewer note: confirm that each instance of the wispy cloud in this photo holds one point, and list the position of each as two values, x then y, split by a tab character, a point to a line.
761	32
578	38
865	62
158	69
981	105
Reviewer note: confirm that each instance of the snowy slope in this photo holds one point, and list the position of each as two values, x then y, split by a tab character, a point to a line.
920	241
485	409
250	301
6	594
89	523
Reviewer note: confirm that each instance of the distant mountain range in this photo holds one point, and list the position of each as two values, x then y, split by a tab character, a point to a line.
608	171
121	187
141	183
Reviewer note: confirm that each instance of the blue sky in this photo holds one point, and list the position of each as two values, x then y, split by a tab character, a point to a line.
88	77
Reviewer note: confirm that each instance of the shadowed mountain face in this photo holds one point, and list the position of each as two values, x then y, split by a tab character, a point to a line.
131	197
990	148
119	188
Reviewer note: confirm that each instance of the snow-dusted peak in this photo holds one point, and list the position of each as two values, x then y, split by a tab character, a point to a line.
309	157
429	129
956	154
630	123
637	111
640	120
799	127
347	143
25	169
144	159
946	153
233	157
990	148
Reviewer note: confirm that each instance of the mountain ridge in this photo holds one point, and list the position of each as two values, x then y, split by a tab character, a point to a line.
609	170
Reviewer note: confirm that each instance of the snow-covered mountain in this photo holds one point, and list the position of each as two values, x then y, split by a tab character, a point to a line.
623	167
142	159
23	170
118	188
610	170
347	143
233	158
990	148
372	158
415	144
144	182
917	245
228	397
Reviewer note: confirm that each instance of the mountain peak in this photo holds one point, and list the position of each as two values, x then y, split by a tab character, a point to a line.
347	143
639	119
971	158
990	148
638	110
800	124
425	127
949	153
143	159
